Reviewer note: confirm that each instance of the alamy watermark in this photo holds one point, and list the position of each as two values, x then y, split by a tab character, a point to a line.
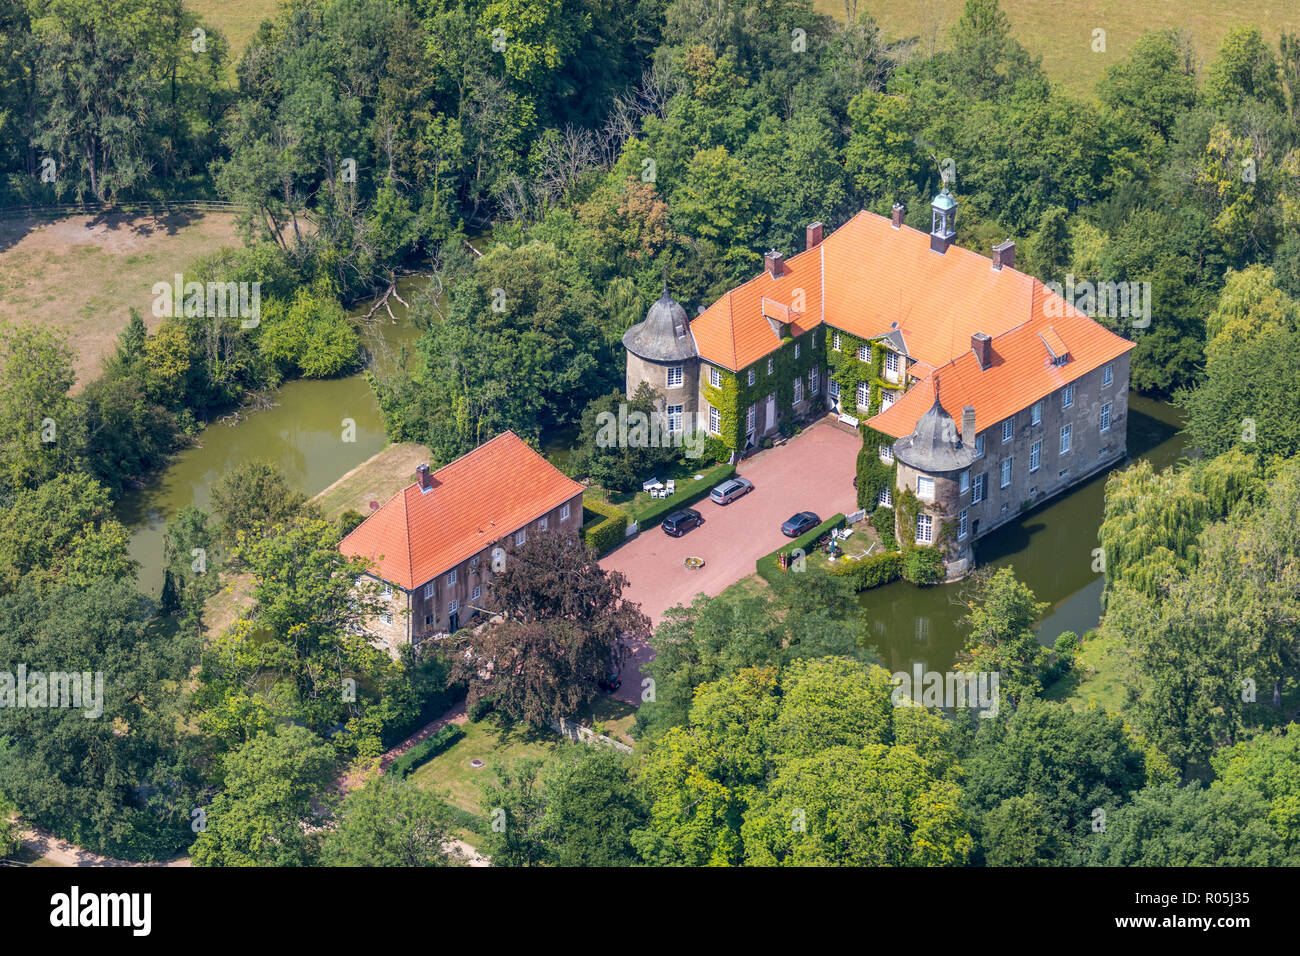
950	689
241	300
1116	300
54	689
634	429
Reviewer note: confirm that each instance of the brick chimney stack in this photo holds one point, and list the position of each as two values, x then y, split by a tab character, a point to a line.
423	478
896	215
982	346
1004	254
968	426
813	235
775	264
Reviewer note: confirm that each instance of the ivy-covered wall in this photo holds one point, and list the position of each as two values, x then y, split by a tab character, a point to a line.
850	371
735	395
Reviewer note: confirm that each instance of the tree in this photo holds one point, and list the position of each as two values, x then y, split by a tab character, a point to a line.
40	428
390	823
252	496
881	154
563	627
515	807
1155	84
592	808
275	789
1268	765
984	53
1019	832
1002	615
1244	69
622	465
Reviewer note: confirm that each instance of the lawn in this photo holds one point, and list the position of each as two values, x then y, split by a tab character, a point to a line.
1061	31
1096	680
450	775
82	274
637	503
237	19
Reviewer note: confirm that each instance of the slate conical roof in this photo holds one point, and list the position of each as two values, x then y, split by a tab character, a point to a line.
935	445
664	336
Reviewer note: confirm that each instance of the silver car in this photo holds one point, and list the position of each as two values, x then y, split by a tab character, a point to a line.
730	490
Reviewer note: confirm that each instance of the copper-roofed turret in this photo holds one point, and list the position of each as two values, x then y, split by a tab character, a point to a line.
664	336
935	445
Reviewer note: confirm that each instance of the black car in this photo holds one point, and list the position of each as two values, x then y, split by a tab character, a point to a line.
796	525
680	522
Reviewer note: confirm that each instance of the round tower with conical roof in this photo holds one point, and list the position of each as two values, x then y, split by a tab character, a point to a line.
931	462
661	351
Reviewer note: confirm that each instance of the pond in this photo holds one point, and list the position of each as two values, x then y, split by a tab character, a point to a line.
1050	549
303	433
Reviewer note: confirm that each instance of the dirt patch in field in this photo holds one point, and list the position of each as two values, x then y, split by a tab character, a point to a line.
83	274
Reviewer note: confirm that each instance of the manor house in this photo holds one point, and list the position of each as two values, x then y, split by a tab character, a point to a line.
903	334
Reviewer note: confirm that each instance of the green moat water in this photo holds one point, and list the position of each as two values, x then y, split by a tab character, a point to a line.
1050	548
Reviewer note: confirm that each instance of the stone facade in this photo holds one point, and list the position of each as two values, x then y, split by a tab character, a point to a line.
413	616
660	374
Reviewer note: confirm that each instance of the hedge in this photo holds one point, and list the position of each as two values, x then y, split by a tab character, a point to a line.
767	567
870	571
425	751
688	494
882	519
605	536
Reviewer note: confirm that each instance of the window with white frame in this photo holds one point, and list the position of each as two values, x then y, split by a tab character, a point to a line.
1008	429
977	490
520	538
752	376
715	421
1036	414
1107	375
674	418
864	394
386	591
749	418
1035	456
1065	439
476	594
1105	417
1067	396
833	388
891	363
453	607
924	529
979	446
964	481
1006	472
887	454
769	366
814	381
451	577
886	398
541	524
675	377
864	353
886	497
962	525
796	350
564	513
925	487
715	377
428	590
386	617
798	390
835	341
812	341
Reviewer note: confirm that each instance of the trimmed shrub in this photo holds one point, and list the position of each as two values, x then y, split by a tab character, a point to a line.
685	496
923	565
768	568
871	571
604	536
425	751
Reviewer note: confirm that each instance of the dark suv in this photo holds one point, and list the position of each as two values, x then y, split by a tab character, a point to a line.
680	522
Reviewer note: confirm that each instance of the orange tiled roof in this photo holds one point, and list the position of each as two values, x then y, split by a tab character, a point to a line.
869	279
476	500
1020	374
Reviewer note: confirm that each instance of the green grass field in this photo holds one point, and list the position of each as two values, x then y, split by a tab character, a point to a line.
237	19
1061	31
450	775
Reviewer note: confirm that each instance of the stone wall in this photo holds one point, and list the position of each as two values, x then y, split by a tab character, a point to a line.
640	370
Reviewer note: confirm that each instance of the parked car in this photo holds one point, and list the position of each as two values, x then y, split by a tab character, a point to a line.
680	522
730	490
610	682
796	525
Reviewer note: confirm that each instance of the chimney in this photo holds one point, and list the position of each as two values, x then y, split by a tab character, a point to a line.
813	235
896	214
968	426
423	478
1004	254
774	262
982	346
